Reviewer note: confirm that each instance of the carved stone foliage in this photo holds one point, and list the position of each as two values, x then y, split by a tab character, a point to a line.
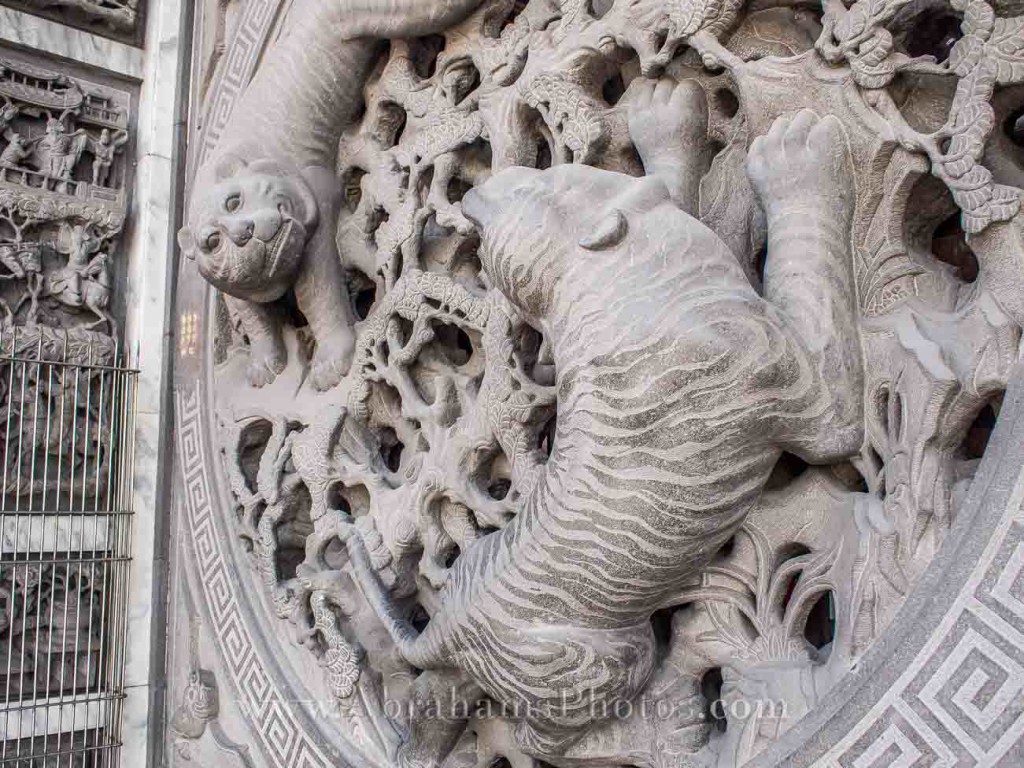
593	382
63	198
120	19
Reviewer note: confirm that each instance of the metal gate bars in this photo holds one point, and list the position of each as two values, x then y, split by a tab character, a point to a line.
67	407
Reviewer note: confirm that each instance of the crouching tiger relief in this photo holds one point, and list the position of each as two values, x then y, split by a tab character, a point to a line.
594	379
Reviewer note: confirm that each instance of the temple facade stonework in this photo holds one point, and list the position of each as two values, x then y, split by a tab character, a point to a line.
626	383
527	383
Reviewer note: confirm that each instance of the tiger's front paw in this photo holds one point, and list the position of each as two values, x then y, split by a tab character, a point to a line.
267	359
331	361
803	165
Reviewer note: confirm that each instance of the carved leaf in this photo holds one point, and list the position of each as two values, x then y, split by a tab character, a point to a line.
1006	50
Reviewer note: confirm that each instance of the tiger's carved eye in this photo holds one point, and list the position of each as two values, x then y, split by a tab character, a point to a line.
212	242
233	203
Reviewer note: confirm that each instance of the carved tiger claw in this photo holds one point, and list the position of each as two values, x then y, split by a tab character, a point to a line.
331	362
266	362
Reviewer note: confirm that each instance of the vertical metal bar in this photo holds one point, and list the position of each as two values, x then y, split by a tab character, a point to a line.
72	448
54	547
3	569
31	512
28	567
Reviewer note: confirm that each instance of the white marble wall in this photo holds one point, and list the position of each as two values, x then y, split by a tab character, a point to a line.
149	302
157	67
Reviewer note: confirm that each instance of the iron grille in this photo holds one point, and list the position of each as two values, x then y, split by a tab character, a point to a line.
67	407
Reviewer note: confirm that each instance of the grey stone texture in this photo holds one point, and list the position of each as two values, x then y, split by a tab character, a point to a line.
627	382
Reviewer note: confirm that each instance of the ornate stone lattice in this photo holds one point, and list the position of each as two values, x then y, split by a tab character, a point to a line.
535	466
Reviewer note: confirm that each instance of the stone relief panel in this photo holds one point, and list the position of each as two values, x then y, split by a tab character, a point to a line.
119	19
64	180
587	383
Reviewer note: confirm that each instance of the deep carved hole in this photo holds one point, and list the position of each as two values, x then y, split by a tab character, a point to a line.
498	489
714	707
935	35
364	301
949	245
251	444
544	158
452	556
419	619
453	343
294	315
727	549
882	402
787	469
980	431
336	499
425	53
464	343
661	623
820	629
354	188
727	103
1014	127
762	262
391	449
546	442
598	8
613	89
517	9
792	551
457	189
292	534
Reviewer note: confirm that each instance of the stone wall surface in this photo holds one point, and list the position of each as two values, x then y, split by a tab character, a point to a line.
609	383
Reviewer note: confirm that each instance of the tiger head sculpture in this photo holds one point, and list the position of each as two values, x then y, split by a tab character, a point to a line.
248	227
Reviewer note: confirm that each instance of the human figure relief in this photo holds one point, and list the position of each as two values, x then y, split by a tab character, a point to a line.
264	212
60	151
17	151
8	112
85	280
103	150
679	389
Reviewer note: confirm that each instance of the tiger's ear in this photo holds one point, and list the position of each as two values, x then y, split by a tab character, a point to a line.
187	243
227	166
609	232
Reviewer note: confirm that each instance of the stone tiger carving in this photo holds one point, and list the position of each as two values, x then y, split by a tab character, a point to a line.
264	213
678	390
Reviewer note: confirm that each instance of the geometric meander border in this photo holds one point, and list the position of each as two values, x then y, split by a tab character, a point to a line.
283	740
961	702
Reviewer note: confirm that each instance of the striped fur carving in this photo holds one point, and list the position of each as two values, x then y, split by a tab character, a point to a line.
678	389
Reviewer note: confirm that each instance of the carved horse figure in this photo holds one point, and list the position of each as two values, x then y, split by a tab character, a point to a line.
264	211
679	388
